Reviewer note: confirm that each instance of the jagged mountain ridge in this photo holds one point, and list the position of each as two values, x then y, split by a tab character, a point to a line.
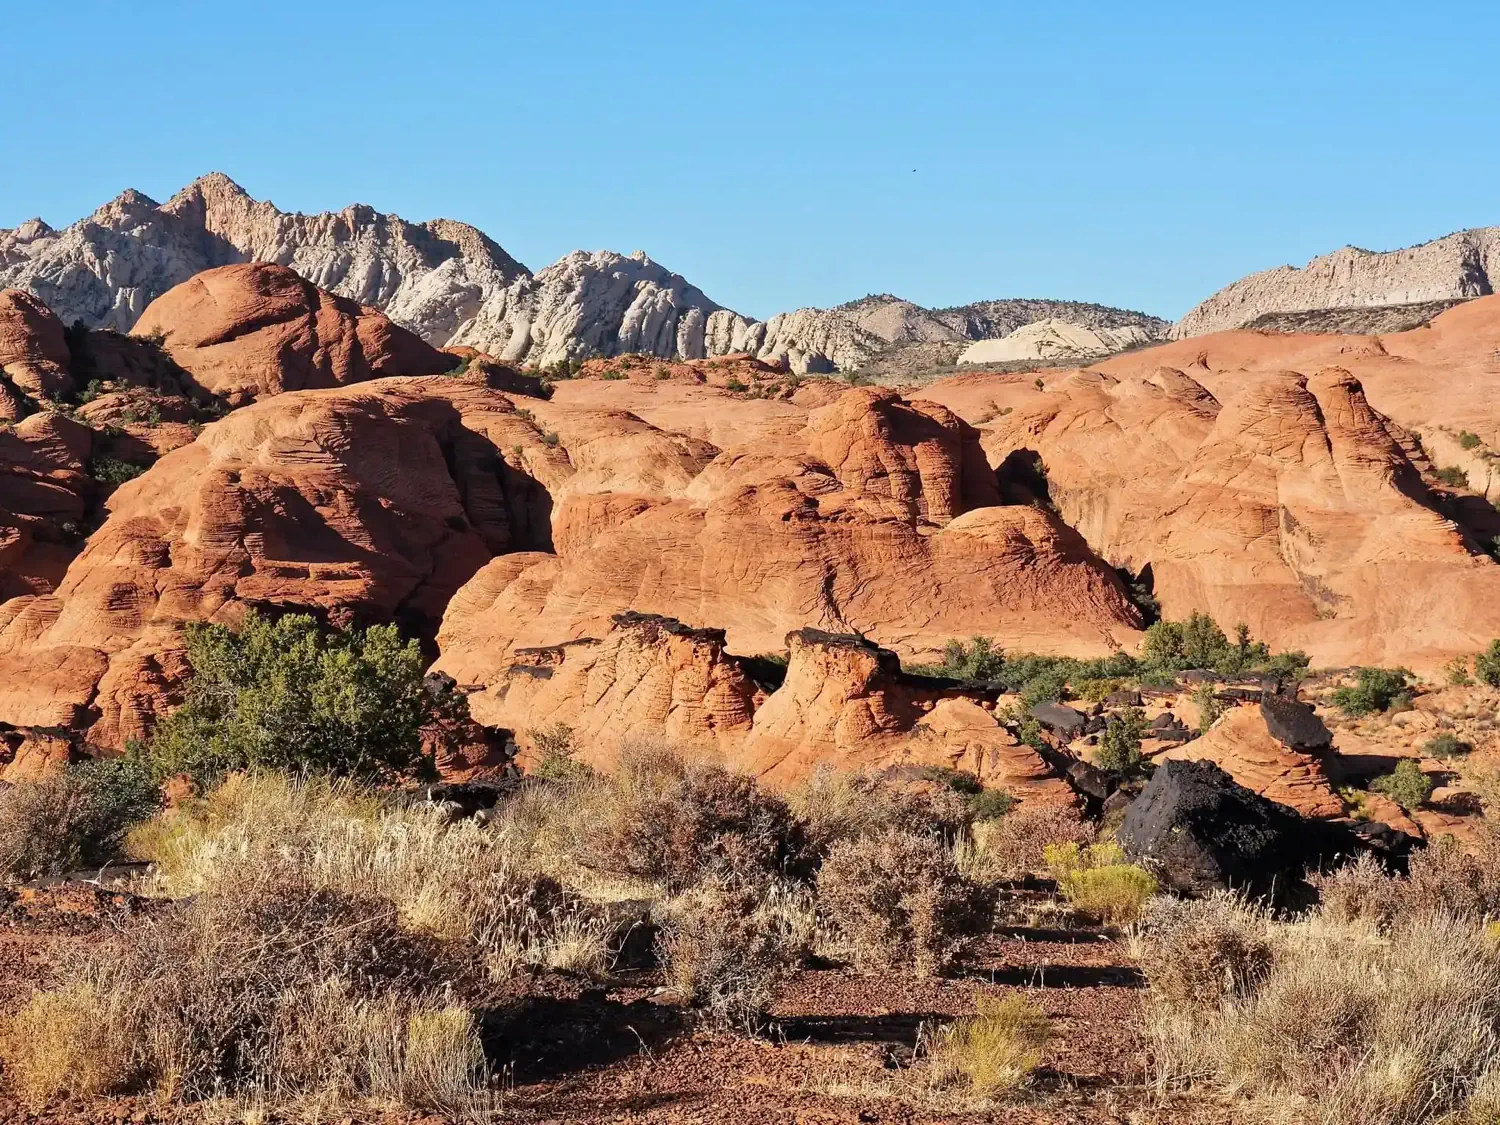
451	284
1460	266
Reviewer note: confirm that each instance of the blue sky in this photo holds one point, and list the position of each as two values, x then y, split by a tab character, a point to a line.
786	154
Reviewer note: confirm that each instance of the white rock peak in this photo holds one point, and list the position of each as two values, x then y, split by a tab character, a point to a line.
451	284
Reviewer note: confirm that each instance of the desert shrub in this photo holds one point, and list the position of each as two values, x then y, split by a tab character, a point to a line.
1361	891
673	821
286	694
1469	440
726	945
1120	746
1442	878
1456	672
266	985
68	1041
1097	881
1015	844
1097	690
994	1050
1350	1030
555	749
836	805
1198	642
1374	689
896	899
456	882
1487	665
75	816
1447	877
1210	710
1446	744
1198	954
1037	678
113	471
1407	785
1453	476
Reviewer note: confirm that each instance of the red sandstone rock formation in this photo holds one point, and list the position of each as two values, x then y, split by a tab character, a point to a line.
843	703
33	353
1240	744
248	331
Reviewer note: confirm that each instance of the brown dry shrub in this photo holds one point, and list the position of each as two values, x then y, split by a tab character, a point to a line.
1347	1026
1443	878
726	946
1359	891
1201	953
672	820
1016	844
268	985
896	899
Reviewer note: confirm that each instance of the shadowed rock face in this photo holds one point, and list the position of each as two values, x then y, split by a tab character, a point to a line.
33	351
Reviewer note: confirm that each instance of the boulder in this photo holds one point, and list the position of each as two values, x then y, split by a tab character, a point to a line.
1294	724
1241	744
1200	831
1059	718
248	331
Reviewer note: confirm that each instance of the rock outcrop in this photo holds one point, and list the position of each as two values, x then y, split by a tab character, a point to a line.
374	502
1055	341
831	527
449	284
105	269
1464	264
1243	746
247	331
1202	832
1251	478
33	351
843	703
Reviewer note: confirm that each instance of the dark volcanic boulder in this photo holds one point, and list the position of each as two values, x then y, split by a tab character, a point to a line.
1200	831
1059	717
1294	724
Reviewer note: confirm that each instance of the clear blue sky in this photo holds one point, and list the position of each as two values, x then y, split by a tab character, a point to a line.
782	154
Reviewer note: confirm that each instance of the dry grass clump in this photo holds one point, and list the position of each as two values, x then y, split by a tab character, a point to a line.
843	805
726	946
665	818
68	1041
1343	1024
994	1050
454	881
1097	881
897	899
1015	845
264	985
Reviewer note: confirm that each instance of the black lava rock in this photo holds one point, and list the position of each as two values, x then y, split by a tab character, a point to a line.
1059	717
1200	831
1294	724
